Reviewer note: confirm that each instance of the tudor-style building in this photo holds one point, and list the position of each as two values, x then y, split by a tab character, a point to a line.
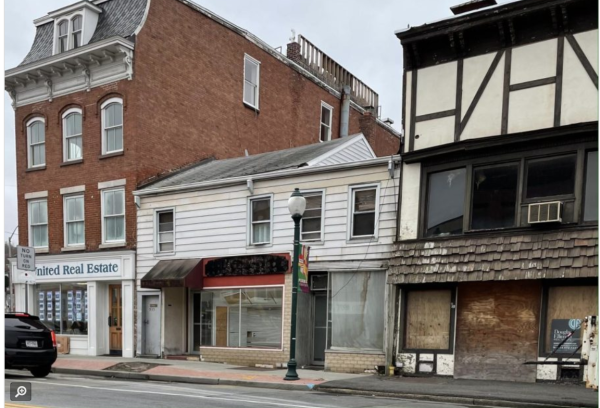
115	92
498	224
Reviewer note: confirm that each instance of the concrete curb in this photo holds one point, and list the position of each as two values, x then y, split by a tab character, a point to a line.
451	399
178	379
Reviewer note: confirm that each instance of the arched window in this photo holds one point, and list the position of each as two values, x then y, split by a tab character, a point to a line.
112	126
63	36
36	141
77	23
72	135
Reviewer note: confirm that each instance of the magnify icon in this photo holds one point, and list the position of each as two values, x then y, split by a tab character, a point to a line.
21	391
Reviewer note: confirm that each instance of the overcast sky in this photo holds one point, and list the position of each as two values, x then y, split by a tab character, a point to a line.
357	34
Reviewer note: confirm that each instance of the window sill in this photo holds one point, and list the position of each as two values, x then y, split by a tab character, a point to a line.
251	107
36	168
43	250
109	155
313	243
70	162
113	245
73	248
164	254
362	240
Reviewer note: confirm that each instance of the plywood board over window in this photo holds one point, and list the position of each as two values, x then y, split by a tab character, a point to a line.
428	315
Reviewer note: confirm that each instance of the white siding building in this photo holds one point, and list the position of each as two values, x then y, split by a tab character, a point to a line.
214	257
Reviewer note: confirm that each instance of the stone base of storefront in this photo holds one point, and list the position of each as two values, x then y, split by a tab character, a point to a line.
352	361
246	357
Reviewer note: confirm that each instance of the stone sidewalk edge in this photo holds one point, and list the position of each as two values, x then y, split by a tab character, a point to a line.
180	379
452	399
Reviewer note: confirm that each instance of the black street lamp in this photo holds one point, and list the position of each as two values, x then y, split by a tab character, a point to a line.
296	205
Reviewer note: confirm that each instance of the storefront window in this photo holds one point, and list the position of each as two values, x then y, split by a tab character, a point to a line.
566	307
357	310
241	318
428	314
63	307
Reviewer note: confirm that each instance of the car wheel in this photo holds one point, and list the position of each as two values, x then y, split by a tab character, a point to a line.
39	372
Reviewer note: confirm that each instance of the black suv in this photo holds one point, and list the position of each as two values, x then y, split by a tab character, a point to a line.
28	344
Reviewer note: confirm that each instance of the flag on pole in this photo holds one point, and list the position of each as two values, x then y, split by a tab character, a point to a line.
303	268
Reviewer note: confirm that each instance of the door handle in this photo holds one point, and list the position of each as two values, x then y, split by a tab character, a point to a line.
109	321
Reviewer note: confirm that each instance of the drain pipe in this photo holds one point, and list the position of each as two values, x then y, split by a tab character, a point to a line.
345	113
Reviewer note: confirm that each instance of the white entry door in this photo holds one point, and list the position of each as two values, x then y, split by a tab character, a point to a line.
151	324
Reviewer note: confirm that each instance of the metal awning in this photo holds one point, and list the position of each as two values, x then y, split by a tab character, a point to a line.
174	273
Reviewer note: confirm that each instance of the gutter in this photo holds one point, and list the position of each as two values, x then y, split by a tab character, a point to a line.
301	171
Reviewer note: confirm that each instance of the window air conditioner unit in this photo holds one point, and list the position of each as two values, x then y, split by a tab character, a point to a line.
545	212
318	283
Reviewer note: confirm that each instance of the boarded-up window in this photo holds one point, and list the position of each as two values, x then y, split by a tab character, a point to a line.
567	303
428	319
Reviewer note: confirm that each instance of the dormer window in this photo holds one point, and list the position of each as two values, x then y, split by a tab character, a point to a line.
63	36
77	24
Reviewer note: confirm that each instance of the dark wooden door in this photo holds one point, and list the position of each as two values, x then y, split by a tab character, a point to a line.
497	330
115	317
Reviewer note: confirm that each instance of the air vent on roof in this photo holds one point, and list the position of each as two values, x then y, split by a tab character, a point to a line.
471	5
545	212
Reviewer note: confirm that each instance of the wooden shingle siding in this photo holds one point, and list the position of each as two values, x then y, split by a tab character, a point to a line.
557	254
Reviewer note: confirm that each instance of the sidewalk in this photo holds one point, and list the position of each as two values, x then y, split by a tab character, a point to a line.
468	392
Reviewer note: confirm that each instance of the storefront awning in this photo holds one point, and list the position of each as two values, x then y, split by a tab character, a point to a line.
175	273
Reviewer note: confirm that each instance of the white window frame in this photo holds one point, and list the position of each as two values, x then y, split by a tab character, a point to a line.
156	230
251	223
30	225
72	32
309	193
58	36
257	63
103	109
29	145
321	123
104	241
351	201
65	222
65	137
69	19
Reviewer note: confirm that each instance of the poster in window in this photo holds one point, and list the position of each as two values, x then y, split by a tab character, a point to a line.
78	307
41	296
49	295
86	316
70	296
42	316
57	306
57	296
70	316
57	315
569	329
69	306
42	306
78	295
49	316
78	316
49	306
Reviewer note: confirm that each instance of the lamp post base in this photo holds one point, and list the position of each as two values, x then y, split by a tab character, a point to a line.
291	374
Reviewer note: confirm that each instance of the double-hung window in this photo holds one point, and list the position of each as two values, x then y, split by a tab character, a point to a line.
165	231
251	81
326	115
38	223
36	139
74	220
63	36
363	219
112	126
76	23
260	220
113	215
72	135
311	227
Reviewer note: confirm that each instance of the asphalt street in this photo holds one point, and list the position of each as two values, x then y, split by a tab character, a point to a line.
66	391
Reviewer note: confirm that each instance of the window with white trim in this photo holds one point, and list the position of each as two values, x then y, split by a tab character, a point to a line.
63	36
74	220
311	224
36	139
112	126
260	220
364	212
38	223
72	135
251	81
165	231
113	215
76	29
326	117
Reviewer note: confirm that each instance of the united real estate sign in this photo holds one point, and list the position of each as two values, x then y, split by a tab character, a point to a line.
78	270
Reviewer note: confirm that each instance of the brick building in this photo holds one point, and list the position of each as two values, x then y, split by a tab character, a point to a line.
114	93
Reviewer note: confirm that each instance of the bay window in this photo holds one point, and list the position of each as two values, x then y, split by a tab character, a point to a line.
113	215
260	220
38	223
74	221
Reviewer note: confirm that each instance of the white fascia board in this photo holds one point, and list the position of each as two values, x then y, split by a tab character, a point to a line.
301	171
51	16
351	140
74	53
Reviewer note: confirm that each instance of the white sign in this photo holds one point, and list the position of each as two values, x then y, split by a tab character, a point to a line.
26	258
77	270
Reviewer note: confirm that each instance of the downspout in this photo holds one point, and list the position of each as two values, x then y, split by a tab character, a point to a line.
345	112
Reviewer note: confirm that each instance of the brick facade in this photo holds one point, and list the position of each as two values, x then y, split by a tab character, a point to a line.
349	362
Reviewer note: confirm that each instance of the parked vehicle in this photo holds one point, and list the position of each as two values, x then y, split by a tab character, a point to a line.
28	344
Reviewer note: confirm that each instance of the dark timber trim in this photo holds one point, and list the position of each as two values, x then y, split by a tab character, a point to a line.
458	112
583	59
435	115
560	52
403	147
413	108
506	90
533	84
480	91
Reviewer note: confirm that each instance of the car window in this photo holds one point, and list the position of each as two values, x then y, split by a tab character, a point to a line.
22	323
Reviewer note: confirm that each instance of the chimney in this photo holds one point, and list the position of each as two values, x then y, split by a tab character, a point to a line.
471	6
293	52
345	111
